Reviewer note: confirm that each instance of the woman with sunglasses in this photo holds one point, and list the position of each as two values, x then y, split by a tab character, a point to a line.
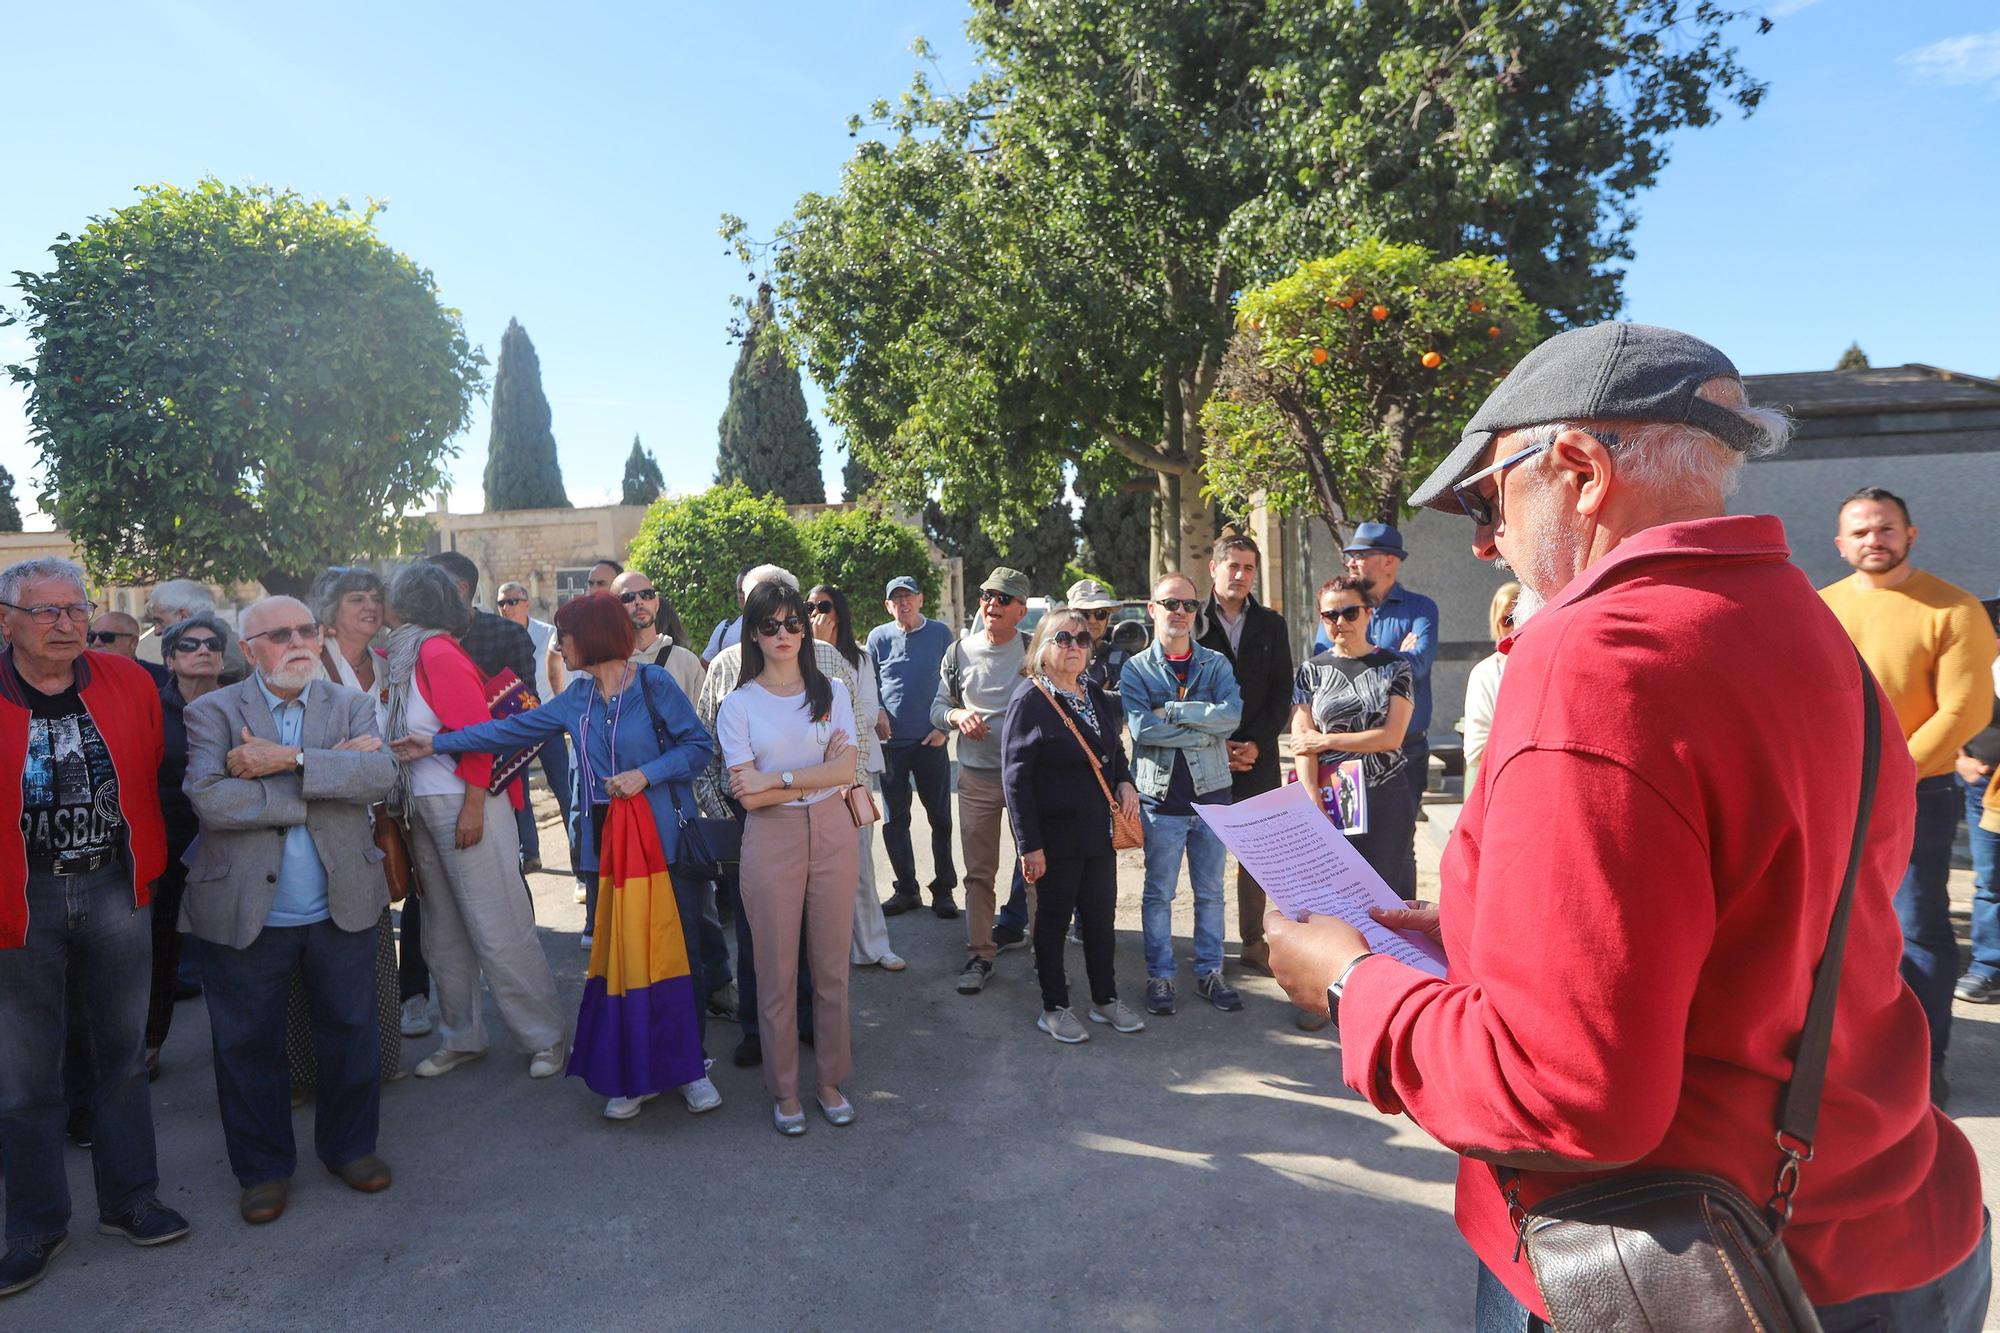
786	738
1056	722
1354	701
193	651
832	623
1482	687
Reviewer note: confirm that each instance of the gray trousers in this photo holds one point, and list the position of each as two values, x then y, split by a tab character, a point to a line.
477	920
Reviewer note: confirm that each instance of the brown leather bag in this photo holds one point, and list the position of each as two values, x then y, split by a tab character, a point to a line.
1682	1250
1127	832
396	867
861	805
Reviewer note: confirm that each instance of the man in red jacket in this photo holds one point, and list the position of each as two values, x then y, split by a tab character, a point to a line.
80	749
1642	881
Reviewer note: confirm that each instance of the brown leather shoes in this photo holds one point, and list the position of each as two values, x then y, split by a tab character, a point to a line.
264	1203
368	1174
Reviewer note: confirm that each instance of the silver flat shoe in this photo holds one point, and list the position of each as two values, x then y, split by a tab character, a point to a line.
791	1126
840	1114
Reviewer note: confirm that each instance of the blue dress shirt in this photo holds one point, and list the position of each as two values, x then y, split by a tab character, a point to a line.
301	896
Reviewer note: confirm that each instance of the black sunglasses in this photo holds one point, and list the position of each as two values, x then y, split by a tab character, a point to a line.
506	602
1071	639
1348	613
769	629
1172	604
1099	616
820	608
997	598
191	644
100	636
639	595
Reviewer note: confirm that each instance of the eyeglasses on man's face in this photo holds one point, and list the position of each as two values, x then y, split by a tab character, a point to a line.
771	629
284	634
1173	604
639	595
506	602
189	644
1099	616
104	638
48	613
996	598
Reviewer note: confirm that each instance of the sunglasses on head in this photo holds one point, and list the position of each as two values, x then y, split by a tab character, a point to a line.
193	644
104	636
506	602
284	634
770	629
1340	613
820	608
639	595
1172	604
1071	639
997	598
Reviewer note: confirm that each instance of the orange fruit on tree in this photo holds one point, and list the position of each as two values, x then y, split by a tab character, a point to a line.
1380	312
1319	356
1432	360
1477	305
1493	331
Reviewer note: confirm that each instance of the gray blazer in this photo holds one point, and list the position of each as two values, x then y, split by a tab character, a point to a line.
233	867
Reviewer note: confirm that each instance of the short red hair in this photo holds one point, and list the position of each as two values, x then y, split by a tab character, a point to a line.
598	628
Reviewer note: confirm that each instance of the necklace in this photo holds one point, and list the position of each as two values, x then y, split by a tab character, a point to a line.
614	708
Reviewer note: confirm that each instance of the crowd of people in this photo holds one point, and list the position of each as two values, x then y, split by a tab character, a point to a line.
264	798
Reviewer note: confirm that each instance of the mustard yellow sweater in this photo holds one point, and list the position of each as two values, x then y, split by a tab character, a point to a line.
1931	645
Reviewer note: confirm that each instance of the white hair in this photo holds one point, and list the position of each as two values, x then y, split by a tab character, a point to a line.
1035	660
1672	459
769	574
23	572
181	595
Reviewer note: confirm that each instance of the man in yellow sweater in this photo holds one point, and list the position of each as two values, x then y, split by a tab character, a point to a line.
1931	647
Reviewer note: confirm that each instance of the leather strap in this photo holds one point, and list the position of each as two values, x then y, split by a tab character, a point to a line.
1090	754
1798	1116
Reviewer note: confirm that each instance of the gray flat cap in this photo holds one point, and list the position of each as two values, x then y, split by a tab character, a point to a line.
1606	372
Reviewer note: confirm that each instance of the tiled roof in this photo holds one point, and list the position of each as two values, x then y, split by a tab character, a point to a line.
1911	388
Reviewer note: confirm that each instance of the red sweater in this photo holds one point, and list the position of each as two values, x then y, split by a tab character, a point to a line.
456	691
124	703
1634	899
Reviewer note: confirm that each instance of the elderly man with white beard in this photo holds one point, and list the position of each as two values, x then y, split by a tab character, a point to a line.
286	876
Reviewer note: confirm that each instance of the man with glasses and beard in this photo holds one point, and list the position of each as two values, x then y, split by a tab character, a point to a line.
650	646
1931	645
285	879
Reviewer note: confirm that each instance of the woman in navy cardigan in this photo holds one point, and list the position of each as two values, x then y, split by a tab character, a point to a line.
1062	823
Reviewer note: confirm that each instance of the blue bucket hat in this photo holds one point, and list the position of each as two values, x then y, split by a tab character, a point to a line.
1376	537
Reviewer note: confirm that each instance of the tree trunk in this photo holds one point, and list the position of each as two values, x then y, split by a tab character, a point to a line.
282	583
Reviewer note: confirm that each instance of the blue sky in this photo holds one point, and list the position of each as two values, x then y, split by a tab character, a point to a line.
567	168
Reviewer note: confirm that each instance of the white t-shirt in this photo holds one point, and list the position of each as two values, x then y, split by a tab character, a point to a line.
1482	692
772	733
544	634
437	775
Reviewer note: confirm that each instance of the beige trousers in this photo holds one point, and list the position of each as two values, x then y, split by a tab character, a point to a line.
800	870
982	809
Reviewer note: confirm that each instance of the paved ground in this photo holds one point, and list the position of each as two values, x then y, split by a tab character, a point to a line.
1208	1171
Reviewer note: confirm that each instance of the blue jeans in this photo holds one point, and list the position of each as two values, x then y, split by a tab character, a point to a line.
1923	905
81	928
1954	1303
1167	837
928	768
1985	885
245	989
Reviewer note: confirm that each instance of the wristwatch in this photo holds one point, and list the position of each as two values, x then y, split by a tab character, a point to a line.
786	778
299	762
1340	984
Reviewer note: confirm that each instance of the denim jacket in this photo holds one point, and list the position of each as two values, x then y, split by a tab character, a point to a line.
1198	726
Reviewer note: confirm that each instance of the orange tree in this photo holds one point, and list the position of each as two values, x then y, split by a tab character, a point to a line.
1352	376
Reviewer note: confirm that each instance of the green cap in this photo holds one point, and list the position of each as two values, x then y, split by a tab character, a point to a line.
1010	581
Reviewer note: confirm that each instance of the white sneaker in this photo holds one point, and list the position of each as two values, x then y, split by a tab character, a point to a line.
582	894
443	1062
584	942
624	1108
1062	1025
700	1095
547	1062
890	962
416	1017
1118	1016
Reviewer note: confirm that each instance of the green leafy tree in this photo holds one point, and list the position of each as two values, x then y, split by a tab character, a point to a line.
1041	270
1852	359
643	482
237	384
1041	549
10	507
1116	525
1073	573
859	550
522	470
768	441
1352	376
696	546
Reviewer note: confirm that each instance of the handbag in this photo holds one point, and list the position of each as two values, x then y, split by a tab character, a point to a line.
506	696
1126	831
861	804
396	867
705	846
1679	1249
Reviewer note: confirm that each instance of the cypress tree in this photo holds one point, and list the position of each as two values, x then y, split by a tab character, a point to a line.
1117	528
767	441
1041	551
10	508
856	477
1852	359
522	471
643	482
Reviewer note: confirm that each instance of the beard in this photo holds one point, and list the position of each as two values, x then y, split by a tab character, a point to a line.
291	674
1551	563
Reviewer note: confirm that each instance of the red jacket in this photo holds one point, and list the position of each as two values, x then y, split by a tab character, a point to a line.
1634	899
124	703
456	691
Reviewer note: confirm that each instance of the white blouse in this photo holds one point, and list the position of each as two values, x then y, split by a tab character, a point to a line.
772	733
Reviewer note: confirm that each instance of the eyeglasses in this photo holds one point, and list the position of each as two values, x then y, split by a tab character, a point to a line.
820	608
997	598
191	644
770	629
1340	613
48	613
1172	604
1099	616
284	634
506	602
1071	639
1478	507
639	595
99	637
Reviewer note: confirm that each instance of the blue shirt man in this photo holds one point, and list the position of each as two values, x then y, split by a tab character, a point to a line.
909	660
1404	622
301	899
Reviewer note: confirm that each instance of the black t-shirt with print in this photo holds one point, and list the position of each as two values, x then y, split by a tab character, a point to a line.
1353	694
69	790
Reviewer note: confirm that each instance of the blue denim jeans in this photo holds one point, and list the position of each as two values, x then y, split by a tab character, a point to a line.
1923	905
245	990
81	928
1954	1303
1985	884
1167	838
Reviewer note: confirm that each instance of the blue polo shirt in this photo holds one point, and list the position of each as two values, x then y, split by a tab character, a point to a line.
908	664
1404	612
301	896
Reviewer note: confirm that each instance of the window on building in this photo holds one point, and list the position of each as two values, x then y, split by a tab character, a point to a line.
572	583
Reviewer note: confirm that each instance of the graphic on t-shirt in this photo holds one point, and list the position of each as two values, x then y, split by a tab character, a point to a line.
69	790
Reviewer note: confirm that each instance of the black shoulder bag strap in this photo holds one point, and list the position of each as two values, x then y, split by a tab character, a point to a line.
1798	1114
